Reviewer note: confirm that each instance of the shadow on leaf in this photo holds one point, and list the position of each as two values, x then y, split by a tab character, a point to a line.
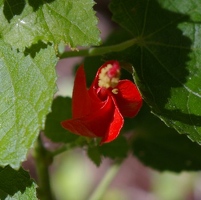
35	4
161	147
13	181
12	8
35	48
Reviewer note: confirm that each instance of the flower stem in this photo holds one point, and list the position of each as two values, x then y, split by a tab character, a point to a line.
105	182
43	161
95	51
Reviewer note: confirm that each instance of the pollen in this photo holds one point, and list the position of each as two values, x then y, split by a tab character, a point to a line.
109	76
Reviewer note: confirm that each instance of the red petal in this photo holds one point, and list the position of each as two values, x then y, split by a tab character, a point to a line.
114	128
80	96
129	100
95	124
78	127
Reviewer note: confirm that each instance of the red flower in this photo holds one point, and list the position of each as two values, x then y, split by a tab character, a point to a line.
99	110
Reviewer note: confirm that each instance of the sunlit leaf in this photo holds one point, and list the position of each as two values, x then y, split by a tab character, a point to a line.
27	86
26	22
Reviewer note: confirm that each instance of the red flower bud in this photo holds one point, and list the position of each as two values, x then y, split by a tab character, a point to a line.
99	110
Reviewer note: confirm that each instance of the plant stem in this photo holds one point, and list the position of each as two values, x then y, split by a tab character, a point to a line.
95	51
105	182
43	160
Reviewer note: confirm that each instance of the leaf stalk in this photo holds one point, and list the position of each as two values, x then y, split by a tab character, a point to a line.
96	51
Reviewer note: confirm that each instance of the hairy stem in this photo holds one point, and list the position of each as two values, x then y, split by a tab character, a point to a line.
95	51
105	182
43	160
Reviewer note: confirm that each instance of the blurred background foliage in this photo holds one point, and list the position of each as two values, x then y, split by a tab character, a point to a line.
75	177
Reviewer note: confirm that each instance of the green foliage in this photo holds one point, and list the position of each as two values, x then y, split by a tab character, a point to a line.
95	155
27	86
116	149
61	110
16	185
166	58
25	22
30	32
159	38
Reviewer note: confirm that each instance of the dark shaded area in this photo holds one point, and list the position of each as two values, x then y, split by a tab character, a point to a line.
16	7
161	147
178	115
101	6
35	48
35	4
12	8
12	181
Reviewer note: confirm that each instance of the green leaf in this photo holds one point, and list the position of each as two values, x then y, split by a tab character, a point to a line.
118	148
61	110
94	154
166	58
25	23
16	185
27	86
161	147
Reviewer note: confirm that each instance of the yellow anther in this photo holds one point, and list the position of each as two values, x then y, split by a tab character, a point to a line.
106	81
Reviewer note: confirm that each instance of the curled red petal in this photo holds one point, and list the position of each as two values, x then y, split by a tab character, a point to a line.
128	98
114	128
97	112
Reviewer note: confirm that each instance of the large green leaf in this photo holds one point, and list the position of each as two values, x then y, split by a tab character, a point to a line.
27	86
167	58
16	185
26	22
